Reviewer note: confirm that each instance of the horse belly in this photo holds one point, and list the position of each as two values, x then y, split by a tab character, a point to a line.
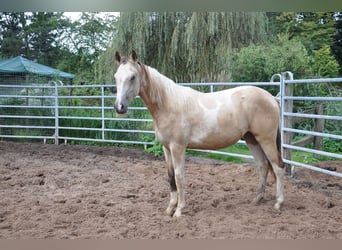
218	127
214	140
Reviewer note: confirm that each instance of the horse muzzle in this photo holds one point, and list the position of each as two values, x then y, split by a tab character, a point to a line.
120	108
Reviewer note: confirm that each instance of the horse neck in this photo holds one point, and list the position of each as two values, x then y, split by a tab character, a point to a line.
156	90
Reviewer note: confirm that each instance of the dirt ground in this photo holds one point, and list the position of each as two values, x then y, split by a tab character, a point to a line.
72	191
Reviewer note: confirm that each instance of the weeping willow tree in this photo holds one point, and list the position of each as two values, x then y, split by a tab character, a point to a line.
185	46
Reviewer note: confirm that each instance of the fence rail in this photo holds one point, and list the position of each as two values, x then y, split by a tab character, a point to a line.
85	113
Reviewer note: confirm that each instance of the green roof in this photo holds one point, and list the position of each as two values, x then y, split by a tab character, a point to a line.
19	65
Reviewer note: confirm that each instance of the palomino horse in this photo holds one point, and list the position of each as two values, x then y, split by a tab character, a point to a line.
185	118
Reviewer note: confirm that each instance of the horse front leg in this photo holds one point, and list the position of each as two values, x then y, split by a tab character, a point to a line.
172	181
178	156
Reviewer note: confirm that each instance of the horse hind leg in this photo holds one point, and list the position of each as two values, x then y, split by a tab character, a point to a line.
272	153
262	164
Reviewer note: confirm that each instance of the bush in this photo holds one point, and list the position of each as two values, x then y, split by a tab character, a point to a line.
257	63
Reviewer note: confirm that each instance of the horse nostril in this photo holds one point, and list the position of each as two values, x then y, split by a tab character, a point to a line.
119	108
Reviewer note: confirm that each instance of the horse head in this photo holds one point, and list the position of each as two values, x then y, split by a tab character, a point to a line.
128	81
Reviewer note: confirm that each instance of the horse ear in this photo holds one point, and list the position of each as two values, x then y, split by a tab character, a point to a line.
117	57
134	56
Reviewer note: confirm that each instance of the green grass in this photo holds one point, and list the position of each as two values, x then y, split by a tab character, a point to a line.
157	150
303	157
298	156
236	148
307	158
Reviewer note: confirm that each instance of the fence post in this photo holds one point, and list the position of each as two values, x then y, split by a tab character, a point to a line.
319	127
56	114
103	112
286	106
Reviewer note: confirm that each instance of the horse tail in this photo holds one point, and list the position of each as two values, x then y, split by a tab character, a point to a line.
281	163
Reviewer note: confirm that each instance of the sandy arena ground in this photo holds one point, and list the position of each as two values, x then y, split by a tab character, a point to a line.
68	191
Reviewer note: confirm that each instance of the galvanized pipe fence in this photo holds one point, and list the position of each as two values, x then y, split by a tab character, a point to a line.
58	113
288	85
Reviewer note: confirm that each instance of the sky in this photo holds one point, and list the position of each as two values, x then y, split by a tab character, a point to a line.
73	15
76	15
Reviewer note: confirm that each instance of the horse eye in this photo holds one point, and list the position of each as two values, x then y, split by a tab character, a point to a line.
132	78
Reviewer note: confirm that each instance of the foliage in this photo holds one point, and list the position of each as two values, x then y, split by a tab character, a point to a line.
89	35
257	63
185	46
314	29
336	47
42	36
31	34
12	30
85	39
156	149
54	40
324	63
260	62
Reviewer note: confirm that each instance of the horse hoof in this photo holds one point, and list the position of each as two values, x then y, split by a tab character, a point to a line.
277	206
258	199
170	211
177	214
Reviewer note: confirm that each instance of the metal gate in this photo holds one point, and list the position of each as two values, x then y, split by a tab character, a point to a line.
287	115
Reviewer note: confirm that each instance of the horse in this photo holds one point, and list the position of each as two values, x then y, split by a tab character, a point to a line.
185	118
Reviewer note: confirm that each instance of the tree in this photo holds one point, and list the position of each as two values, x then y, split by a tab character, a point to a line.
324	63
185	46
43	36
89	35
85	39
314	29
13	36
33	35
56	41
336	47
